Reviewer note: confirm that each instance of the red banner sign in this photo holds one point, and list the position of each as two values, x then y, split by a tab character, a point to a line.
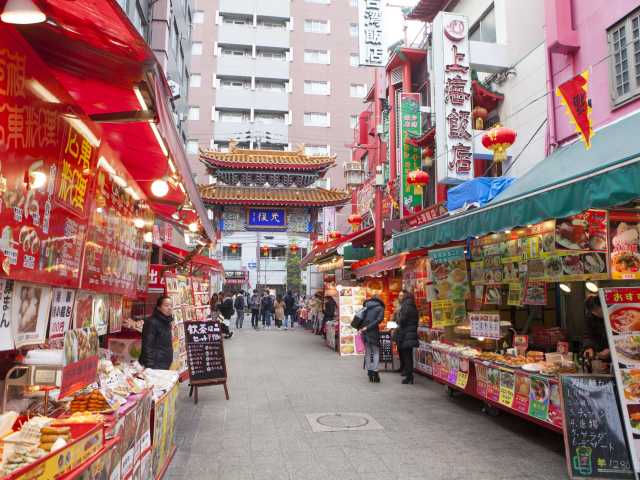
573	95
78	375
47	156
425	216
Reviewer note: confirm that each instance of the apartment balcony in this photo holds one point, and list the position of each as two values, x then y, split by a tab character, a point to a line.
245	66
246	98
488	57
223	131
233	34
272	37
272	8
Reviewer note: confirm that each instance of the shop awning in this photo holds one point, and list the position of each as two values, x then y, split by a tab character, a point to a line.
567	182
97	54
389	263
200	260
358	237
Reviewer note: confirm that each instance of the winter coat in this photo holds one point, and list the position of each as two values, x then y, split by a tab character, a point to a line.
157	345
226	308
407	336
280	307
373	315
239	302
289	304
330	309
267	303
254	302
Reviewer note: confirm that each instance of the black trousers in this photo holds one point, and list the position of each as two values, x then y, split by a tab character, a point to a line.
255	317
406	361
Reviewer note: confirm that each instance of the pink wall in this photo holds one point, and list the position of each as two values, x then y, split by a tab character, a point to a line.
586	47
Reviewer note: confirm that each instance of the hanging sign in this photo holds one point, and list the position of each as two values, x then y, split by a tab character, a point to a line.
30	308
61	309
410	124
6	334
371	33
266	218
485	324
625	242
574	96
452	83
115	313
81	360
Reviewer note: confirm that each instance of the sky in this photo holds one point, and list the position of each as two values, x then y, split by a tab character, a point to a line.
393	21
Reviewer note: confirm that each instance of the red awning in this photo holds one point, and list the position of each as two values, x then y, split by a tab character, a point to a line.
427	138
359	237
389	263
96	53
426	10
201	260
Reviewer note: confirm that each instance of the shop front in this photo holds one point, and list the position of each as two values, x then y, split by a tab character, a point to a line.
508	285
77	215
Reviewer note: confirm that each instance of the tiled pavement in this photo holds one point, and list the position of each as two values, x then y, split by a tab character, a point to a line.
278	377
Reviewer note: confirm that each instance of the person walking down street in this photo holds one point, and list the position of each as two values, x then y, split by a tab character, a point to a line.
279	308
289	310
316	304
254	305
238	304
373	315
226	310
330	308
157	343
266	309
407	336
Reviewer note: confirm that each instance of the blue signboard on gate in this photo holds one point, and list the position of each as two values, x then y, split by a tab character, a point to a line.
266	218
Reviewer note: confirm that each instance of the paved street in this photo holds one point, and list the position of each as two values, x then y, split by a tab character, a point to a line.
277	378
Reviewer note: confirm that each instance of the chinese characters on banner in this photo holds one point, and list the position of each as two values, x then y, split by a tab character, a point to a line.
371	33
270	218
43	228
485	324
574	96
61	309
411	124
452	81
205	351
6	294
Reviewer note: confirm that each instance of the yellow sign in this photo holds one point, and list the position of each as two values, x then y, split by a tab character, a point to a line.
68	458
442	314
515	294
507	388
462	379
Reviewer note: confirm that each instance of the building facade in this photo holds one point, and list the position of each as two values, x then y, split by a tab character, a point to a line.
166	26
275	75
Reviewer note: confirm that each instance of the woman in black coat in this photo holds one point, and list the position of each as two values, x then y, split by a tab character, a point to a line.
157	346
407	336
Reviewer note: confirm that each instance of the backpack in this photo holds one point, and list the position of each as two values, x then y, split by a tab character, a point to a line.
358	319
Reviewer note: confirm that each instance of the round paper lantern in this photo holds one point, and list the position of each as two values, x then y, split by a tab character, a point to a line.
334	235
479	115
319	243
264	250
418	177
355	220
498	140
427	156
293	248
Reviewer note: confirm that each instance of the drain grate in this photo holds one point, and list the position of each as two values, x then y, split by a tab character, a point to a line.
341	422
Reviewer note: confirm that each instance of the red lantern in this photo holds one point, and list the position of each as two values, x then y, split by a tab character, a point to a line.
479	115
293	248
334	235
418	177
498	139
265	250
427	156
355	220
234	247
319	243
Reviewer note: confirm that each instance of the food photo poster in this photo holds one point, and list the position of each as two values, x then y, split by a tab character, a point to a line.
30	306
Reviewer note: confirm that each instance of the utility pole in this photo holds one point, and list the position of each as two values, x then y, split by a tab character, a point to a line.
257	260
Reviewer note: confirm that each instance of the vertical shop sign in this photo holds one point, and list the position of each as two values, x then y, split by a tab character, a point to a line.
622	321
482	379
410	124
452	82
61	309
521	394
6	333
371	33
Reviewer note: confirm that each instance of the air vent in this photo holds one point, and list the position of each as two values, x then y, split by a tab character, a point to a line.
396	76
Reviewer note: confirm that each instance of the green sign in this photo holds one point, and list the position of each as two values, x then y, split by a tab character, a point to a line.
411	123
539	398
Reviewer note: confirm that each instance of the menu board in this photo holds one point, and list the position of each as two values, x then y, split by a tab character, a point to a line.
624	228
485	325
205	351
45	180
386	347
566	249
450	286
350	300
621	307
116	257
595	443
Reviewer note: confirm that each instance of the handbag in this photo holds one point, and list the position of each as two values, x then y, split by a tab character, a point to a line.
358	319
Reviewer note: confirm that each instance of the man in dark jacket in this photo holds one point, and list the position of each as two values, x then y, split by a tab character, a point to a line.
407	336
254	304
238	304
373	315
289	310
266	309
157	345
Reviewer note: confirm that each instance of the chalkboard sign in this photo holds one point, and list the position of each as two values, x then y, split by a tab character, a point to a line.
595	443
386	351
205	353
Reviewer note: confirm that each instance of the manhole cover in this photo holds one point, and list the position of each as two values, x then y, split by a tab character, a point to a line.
340	422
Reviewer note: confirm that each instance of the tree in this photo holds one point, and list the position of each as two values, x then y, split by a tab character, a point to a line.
294	272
